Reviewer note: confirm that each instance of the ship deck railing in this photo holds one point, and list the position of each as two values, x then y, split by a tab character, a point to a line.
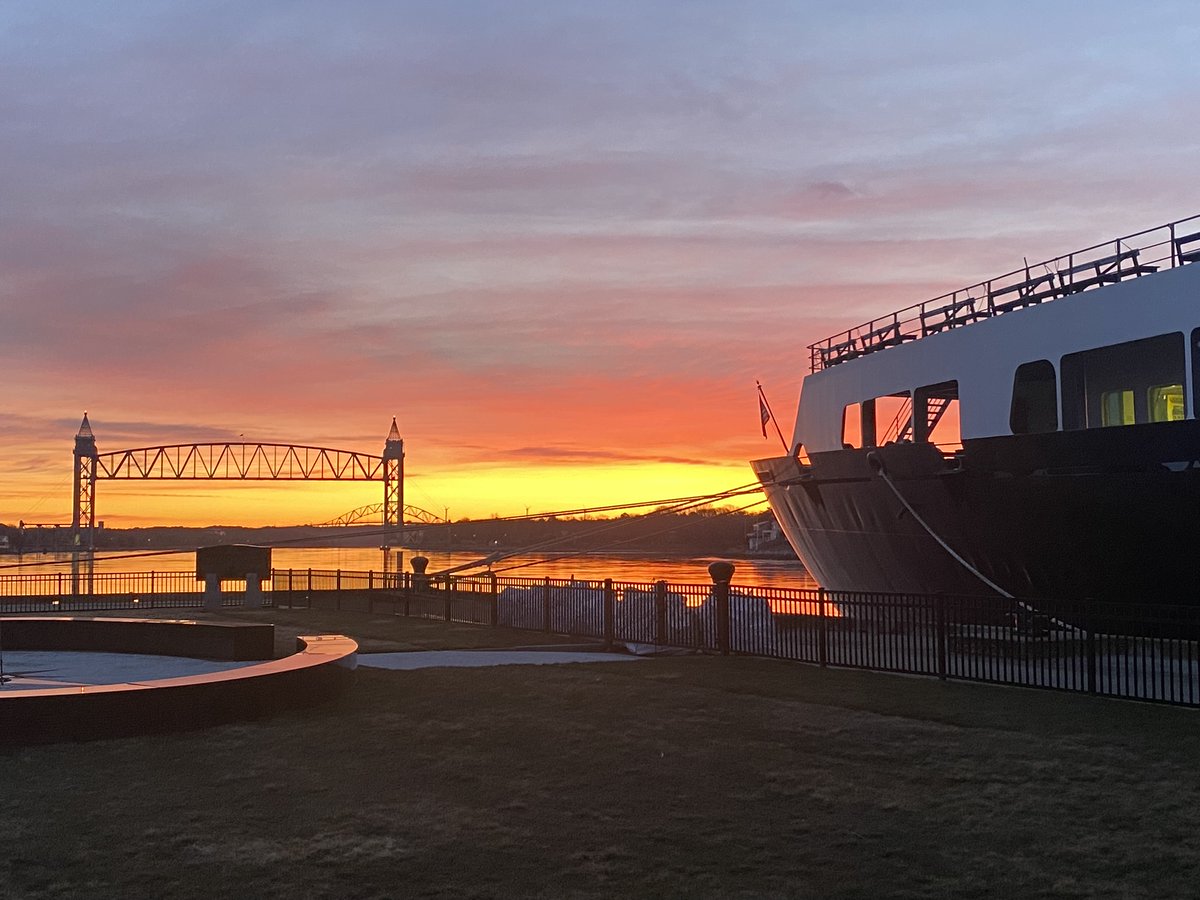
1131	256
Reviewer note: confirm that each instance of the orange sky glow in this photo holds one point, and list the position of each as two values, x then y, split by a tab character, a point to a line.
559	244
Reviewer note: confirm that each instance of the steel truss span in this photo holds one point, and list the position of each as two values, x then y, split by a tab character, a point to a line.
231	461
241	462
373	510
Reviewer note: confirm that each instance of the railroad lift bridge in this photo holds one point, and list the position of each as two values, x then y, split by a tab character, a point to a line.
234	461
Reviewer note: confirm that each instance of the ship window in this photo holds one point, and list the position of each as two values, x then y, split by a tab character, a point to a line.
1034	399
852	426
935	412
880	420
1165	402
1195	373
893	418
1116	408
1118	385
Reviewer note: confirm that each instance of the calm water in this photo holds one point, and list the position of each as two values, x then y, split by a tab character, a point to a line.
749	572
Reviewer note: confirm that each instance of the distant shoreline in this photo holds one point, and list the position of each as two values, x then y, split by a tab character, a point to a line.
677	535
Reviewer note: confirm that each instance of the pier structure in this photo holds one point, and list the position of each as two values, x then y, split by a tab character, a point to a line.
230	461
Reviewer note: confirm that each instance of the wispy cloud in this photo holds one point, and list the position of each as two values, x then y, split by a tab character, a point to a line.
575	455
541	235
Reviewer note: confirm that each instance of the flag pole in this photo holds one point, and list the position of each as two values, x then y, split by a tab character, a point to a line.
763	397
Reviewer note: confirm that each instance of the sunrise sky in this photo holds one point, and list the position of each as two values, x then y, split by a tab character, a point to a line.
559	241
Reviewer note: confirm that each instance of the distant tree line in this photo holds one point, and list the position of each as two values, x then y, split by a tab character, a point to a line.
704	532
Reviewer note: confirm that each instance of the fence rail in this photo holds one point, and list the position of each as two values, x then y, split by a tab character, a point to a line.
1136	651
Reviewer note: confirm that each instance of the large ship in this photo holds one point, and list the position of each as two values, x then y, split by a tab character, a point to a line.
1031	436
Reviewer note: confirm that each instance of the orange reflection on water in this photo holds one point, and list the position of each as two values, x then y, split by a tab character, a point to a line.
641	570
803	608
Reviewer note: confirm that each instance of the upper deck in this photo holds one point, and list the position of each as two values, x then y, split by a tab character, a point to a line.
1143	253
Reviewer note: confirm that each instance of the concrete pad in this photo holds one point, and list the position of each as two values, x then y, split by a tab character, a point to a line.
29	669
429	659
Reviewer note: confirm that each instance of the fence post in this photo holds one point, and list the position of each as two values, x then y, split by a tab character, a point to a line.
1088	619
822	629
310	580
495	611
449	593
546	623
721	574
337	580
939	613
610	614
660	613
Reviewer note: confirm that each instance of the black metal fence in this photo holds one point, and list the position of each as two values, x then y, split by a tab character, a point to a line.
1133	650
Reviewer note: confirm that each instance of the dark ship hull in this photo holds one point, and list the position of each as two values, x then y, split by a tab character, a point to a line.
1108	516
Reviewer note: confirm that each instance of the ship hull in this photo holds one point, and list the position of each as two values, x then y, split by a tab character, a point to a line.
1109	515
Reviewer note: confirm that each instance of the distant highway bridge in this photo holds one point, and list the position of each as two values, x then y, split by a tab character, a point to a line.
411	514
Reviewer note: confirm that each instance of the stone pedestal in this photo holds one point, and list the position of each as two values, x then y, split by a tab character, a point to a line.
254	597
212	593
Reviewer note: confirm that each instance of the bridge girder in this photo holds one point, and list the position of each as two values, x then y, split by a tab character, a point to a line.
233	461
411	514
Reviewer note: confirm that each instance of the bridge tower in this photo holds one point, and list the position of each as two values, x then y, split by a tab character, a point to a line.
393	479
83	511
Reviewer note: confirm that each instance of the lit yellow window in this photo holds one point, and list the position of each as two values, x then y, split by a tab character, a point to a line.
1116	408
1166	403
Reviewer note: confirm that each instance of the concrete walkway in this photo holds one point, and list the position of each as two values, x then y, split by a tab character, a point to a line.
29	669
427	659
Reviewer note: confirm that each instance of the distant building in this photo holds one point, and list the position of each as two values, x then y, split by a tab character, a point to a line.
766	539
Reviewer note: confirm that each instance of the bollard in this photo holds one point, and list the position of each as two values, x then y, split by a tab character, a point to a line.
418	581
721	574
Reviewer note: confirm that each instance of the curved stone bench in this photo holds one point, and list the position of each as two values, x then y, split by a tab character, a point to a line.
320	669
160	637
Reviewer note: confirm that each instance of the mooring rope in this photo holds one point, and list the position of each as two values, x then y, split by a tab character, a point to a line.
877	464
680	506
609	548
672	504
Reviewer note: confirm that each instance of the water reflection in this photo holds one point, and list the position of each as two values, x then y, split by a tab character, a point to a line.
748	572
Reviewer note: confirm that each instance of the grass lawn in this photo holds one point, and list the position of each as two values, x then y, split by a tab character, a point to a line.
695	776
